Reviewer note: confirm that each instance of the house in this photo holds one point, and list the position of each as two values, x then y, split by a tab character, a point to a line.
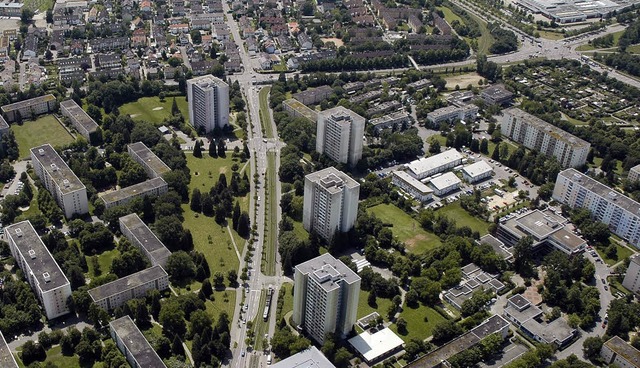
279	30
178	28
30	47
285	43
139	38
305	41
265	61
269	47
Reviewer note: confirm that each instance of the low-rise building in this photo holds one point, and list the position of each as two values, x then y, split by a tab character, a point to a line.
152	187
313	96
497	95
114	294
134	229
79	118
466	113
477	171
445	183
29	108
374	347
396	120
152	164
616	352
309	358
473	280
296	108
412	186
133	345
499	247
427	166
41	270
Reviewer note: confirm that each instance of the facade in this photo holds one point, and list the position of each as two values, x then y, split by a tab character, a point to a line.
477	171
330	202
40	268
427	166
114	294
634	173
447	182
313	96
412	186
208	102
537	134
632	278
4	126
7	359
397	120
151	187
80	120
134	229
325	297
452	113
133	344
310	358
620	212
152	164
29	108
60	181
616	352
339	135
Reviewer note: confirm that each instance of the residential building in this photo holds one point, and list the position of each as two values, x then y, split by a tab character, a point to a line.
114	294
616	352
339	135
296	109
634	173
7	359
29	108
325	298
152	164
312	96
632	278
545	229
477	171
445	183
60	181
497	95
466	113
305	41
208	102
397	120
619	212
152	187
11	9
109	44
4	126
419	84
134	229
330	202
499	247
473	280
41	270
412	186
374	347
383	108
427	166
133	344
84	124
536	134
309	358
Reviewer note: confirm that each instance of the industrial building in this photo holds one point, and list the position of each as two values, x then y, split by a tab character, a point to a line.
152	187
412	186
572	11
152	164
477	171
208	98
114	294
133	345
427	166
84	124
30	108
134	229
339	135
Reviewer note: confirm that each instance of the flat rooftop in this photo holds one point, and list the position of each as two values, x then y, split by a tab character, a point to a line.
445	180
46	270
371	346
310	358
127	283
540	224
393	117
426	164
413	182
628	352
478	168
145	154
312	92
135	342
145	237
340	113
207	82
27	103
497	92
498	246
558	330
56	168
568	239
343	273
77	114
542	125
519	301
332	179
132	190
7	360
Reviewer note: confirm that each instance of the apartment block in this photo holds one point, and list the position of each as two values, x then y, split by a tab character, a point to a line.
114	294
616	352
133	344
427	166
7	360
4	126
208	102
60	181
39	268
29	108
152	187
412	186
536	134
84	124
325	297
632	278
152	164
619	212
330	202
452	113
339	135
634	173
134	229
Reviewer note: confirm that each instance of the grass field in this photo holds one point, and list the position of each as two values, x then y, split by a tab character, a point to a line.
551	35
54	356
45	129
288	298
224	301
486	40
301	233
104	260
152	110
41	5
265	118
271	218
420	322
365	309
449	15
462	80
206	170
463	218
622	253
406	228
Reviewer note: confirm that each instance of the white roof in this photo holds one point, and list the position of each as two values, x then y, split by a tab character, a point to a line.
478	168
415	183
445	181
371	346
429	163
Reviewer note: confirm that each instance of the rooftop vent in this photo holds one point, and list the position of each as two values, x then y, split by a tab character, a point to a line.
40	151
19	232
46	276
54	167
32	254
66	183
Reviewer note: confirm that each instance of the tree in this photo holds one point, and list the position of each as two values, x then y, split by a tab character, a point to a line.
32	352
402	326
222	148
172	319
496	153
592	346
180	267
218	280
26	15
232	276
196	196
197	149
434	147
212	148
342	358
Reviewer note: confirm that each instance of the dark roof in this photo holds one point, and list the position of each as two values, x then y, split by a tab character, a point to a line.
135	342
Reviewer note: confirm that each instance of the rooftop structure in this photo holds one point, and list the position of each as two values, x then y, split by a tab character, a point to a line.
376	346
7	360
474	279
444	183
141	236
309	358
617	352
477	171
498	247
151	187
133	344
79	118
427	166
114	294
152	164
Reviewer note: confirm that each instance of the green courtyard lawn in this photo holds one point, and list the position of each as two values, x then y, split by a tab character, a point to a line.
288	298
152	110
463	218
364	309
33	133
206	170
406	228
622	253
104	260
223	301
449	15
54	355
420	322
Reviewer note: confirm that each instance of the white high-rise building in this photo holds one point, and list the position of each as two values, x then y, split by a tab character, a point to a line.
60	181
330	202
632	278
39	268
537	134
208	102
325	298
339	134
619	212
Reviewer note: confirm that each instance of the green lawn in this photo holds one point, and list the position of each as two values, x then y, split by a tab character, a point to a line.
364	309
623	253
288	298
33	133
486	40
299	230
54	356
420	322
551	35
224	301
206	170
597	161
104	260
265	118
449	15
406	228
271	218
152	110
463	218
41	5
